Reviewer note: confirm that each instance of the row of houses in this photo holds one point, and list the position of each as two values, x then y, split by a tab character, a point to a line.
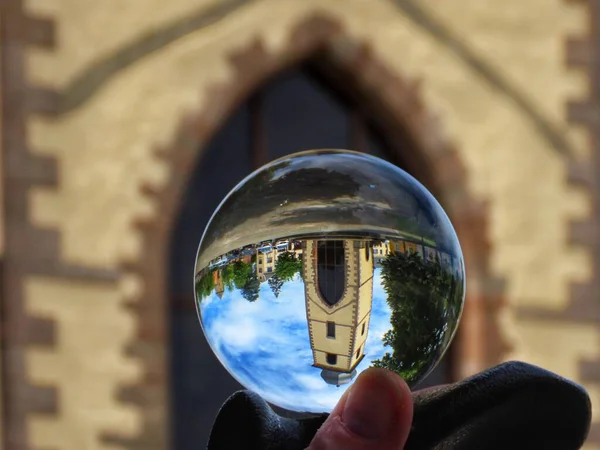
264	256
381	249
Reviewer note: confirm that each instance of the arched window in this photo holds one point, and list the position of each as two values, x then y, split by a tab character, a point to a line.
331	359
331	273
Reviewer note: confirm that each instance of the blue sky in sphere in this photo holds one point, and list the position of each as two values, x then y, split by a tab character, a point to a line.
265	344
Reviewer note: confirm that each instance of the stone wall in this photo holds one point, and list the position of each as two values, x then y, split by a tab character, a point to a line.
120	78
1	258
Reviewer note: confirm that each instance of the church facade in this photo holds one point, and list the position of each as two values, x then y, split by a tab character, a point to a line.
124	124
338	286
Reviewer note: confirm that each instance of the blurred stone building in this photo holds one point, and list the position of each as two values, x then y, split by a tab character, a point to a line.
125	123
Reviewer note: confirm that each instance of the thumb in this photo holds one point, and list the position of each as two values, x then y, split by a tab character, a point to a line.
374	414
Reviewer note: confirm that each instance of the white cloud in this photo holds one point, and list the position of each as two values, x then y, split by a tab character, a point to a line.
241	335
309	382
266	347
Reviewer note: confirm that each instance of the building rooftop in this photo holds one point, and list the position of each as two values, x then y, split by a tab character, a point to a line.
337	378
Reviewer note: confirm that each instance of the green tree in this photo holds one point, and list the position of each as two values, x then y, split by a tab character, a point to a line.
227	275
275	283
287	266
205	284
251	288
424	302
241	271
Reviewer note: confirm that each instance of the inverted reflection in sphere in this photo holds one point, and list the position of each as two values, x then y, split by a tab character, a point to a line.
322	264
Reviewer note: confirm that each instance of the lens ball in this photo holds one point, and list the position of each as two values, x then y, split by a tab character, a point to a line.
322	264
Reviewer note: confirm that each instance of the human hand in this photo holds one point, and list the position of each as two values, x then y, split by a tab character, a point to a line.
512	406
374	414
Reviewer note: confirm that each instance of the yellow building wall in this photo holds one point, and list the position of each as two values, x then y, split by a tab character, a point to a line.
346	313
360	338
365	291
1	256
343	361
365	301
343	311
263	264
381	249
339	345
104	148
88	363
342	314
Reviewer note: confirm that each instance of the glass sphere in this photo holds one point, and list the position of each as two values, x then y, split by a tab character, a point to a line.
322	264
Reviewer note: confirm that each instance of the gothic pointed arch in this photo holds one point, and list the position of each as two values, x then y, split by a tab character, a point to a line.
396	105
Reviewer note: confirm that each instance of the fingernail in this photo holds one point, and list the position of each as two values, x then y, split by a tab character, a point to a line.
370	410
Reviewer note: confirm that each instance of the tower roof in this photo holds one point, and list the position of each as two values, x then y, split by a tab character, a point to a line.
337	378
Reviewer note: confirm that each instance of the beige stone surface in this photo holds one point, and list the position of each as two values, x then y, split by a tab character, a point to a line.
139	108
510	165
104	151
88	31
1	190
1	256
86	366
558	346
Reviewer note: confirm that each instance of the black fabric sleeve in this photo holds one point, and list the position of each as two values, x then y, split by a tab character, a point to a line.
512	406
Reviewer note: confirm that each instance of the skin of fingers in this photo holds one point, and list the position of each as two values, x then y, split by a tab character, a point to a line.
375	413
